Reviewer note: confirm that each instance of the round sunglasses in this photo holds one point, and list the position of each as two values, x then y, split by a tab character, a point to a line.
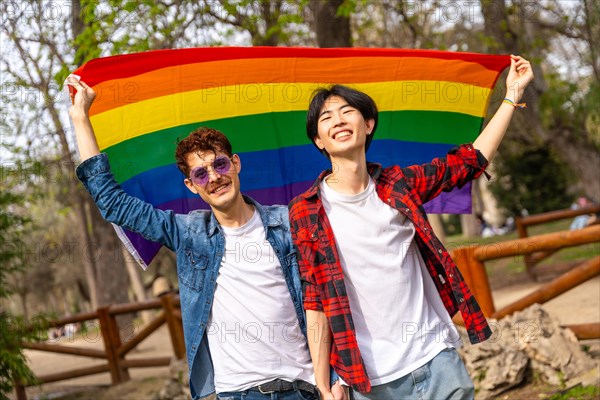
220	165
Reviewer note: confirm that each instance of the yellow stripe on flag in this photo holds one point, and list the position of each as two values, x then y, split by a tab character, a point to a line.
221	102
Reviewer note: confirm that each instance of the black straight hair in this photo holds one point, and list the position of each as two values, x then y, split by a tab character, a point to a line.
355	98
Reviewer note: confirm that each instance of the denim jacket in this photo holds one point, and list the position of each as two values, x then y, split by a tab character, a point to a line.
198	242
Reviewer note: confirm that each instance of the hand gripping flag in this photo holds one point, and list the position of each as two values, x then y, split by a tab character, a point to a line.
429	101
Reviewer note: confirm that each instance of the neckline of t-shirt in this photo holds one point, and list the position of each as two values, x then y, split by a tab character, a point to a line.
252	224
347	198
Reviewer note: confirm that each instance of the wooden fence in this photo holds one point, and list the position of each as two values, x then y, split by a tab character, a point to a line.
471	262
531	260
115	350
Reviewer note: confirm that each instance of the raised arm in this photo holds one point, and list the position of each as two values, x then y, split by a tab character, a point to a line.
79	113
115	205
519	76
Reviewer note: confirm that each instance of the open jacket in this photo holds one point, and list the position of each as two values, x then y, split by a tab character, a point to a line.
406	190
198	241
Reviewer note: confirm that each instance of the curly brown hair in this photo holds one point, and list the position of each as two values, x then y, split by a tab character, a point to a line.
201	140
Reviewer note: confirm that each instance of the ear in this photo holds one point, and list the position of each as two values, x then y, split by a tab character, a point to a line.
370	124
319	143
190	185
237	162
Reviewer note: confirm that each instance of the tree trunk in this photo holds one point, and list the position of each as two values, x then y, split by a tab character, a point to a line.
133	270
75	198
76	22
23	301
435	220
496	26
112	275
468	224
332	30
270	13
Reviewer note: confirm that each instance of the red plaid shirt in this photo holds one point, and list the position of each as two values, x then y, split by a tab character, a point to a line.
405	189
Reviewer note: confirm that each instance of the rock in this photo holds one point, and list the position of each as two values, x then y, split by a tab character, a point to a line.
589	378
178	370
530	341
177	385
554	351
171	390
494	369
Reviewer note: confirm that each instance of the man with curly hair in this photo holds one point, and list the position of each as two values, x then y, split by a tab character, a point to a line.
244	325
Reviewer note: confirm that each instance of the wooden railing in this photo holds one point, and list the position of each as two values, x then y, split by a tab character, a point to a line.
115	350
531	260
470	261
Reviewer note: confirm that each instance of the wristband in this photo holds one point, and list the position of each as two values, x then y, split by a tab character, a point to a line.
515	105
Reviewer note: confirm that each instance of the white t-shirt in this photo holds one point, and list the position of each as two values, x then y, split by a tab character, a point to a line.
253	333
400	320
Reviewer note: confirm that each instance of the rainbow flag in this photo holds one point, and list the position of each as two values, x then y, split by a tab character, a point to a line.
429	101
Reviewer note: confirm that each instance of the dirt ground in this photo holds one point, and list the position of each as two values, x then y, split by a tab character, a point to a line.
145	382
577	306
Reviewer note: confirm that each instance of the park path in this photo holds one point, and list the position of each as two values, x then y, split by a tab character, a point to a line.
158	344
579	305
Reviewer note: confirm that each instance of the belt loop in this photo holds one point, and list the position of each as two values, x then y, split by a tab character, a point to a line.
295	385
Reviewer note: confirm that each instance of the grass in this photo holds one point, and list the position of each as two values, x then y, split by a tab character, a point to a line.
578	393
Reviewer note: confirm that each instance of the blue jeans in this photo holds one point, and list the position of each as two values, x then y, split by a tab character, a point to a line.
256	395
444	377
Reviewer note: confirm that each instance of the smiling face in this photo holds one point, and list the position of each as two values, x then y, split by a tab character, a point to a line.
221	191
342	129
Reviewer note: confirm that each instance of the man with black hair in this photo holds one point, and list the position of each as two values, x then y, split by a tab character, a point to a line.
379	287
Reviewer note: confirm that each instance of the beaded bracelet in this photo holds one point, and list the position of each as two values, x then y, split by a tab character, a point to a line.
515	105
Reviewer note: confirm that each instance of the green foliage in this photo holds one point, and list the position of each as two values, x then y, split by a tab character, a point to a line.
533	179
452	224
578	393
556	103
571	105
125	26
13	364
12	226
13	329
348	7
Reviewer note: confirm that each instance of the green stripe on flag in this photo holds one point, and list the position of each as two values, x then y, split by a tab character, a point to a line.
276	130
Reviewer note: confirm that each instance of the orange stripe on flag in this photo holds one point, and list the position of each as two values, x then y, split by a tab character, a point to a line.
210	75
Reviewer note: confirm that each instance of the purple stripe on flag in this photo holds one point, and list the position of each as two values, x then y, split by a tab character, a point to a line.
145	248
457	201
